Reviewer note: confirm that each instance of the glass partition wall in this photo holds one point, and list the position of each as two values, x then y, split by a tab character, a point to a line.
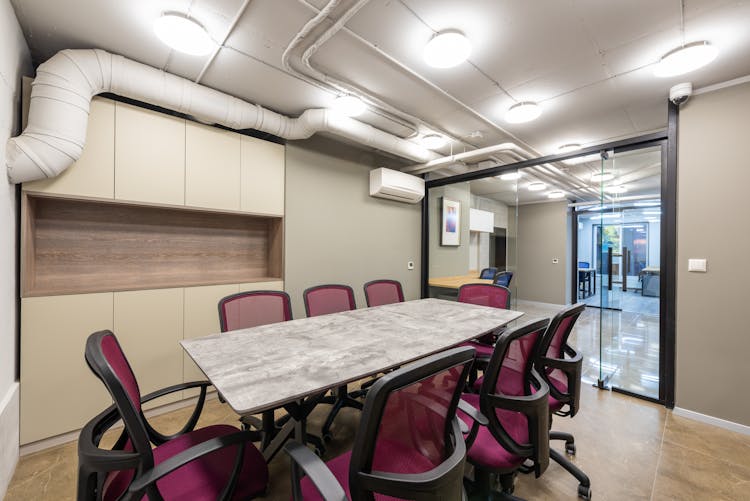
585	229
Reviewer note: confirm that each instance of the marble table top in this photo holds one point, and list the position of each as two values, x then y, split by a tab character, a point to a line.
263	367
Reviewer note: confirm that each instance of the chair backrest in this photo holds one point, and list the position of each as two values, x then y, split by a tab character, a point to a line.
485	295
503	278
409	426
107	361
254	308
487	273
584	264
511	373
380	292
331	298
554	345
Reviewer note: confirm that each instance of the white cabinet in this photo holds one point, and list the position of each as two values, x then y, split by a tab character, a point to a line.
262	177
212	167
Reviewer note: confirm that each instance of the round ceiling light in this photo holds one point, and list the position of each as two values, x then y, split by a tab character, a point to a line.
685	59
602	176
433	141
447	49
537	186
555	194
616	189
351	106
523	112
510	176
183	34
567	148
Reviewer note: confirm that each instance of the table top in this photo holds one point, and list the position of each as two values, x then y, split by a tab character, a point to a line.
263	367
457	281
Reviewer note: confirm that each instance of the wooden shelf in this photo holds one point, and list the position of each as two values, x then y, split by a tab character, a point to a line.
80	246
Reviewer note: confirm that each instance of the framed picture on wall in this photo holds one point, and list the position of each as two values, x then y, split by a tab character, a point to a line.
451	223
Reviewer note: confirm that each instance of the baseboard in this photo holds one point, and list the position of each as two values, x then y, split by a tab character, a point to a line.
704	418
72	436
9	415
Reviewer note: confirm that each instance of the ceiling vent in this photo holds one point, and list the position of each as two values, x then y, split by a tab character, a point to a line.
395	185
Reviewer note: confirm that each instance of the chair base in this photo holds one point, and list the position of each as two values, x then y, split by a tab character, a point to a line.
570	446
584	486
343	399
488	486
267	428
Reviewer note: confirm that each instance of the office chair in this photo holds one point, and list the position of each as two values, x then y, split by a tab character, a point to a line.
560	366
408	444
204	463
380	292
583	278
503	278
488	273
324	300
509	418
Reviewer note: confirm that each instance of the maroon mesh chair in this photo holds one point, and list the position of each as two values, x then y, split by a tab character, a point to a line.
509	418
408	444
380	292
560	366
324	300
215	462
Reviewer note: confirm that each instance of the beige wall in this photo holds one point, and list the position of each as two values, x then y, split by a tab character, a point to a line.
541	237
335	232
713	338
449	260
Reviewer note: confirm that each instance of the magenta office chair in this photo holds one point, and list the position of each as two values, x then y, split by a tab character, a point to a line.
408	445
509	418
215	462
560	366
324	300
380	292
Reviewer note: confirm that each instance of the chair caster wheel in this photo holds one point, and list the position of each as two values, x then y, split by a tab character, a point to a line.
584	492
319	452
327	437
570	449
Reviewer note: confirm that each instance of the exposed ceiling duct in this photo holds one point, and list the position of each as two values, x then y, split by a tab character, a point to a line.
66	83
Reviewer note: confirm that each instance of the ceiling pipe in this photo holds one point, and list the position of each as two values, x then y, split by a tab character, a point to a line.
65	84
465	157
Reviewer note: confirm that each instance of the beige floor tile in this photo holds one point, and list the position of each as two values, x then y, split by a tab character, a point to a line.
707	439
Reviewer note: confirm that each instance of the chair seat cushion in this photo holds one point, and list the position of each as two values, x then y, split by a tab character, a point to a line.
482	350
391	457
485	451
205	478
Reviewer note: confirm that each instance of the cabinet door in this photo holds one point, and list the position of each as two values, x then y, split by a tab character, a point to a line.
59	393
202	319
93	175
262	176
148	324
212	167
149	156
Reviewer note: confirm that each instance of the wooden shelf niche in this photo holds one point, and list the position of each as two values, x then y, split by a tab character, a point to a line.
77	246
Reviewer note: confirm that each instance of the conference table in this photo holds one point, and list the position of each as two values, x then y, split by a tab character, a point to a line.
293	364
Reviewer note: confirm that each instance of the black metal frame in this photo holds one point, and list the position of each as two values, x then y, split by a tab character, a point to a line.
400	290
443	482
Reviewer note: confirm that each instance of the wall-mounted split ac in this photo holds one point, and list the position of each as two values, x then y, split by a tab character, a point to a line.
395	185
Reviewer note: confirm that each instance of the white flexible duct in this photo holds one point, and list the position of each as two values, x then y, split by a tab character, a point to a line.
468	156
65	84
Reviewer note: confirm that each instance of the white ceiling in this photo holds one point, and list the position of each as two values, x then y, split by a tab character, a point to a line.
587	62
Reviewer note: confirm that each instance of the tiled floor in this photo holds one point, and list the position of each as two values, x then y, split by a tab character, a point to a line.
630	449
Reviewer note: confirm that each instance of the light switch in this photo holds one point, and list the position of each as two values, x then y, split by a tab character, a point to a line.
698	265
555	260
410	265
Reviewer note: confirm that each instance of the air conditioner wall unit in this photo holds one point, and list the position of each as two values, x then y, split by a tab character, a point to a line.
395	185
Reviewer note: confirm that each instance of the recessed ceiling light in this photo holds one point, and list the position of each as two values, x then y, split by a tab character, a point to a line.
652	219
555	194
433	141
602	176
510	176
523	112
685	59
647	204
616	189
351	106
447	49
536	186
567	148
183	34
611	215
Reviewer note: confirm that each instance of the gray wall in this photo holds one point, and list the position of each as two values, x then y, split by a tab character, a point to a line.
542	236
335	232
446	261
713	338
14	62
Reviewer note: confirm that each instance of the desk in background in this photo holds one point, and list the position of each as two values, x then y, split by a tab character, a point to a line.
457	281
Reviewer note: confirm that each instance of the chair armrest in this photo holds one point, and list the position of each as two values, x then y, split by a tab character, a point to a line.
158	438
476	416
142	482
572	368
96	458
314	467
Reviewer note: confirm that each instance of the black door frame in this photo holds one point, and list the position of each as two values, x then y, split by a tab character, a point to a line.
667	139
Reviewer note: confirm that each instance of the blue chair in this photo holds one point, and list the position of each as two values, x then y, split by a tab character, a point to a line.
503	278
488	273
